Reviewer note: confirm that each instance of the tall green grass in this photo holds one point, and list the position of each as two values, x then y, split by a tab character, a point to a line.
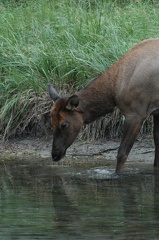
64	42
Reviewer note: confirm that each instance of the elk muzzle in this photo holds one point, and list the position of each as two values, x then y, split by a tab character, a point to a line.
57	156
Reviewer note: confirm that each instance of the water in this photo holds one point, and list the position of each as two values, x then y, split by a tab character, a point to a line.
39	201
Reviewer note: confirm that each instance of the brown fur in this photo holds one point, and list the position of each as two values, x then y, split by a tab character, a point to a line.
131	84
57	114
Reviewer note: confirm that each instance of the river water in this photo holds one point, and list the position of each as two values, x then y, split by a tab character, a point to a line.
39	201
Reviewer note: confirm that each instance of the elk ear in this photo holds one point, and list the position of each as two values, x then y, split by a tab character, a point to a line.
72	102
53	94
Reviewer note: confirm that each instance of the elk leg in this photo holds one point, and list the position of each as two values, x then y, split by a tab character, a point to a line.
156	139
131	129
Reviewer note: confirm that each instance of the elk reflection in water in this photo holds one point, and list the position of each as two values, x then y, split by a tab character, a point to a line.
48	202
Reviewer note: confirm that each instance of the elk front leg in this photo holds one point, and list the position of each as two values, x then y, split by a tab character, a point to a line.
131	129
156	139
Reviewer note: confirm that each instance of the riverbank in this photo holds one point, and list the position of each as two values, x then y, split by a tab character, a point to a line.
39	149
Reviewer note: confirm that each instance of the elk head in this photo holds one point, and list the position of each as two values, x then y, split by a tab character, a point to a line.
66	120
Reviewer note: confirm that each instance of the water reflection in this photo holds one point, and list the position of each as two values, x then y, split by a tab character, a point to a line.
126	207
38	201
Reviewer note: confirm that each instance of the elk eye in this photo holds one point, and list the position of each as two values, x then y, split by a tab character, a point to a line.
63	125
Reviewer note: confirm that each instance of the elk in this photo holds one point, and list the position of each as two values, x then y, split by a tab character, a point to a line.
131	84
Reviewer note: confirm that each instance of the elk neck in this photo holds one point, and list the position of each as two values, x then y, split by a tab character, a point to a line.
97	98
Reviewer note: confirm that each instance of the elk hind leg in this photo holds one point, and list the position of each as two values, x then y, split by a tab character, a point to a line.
156	139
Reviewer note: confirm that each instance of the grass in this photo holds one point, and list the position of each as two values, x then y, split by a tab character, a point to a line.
66	43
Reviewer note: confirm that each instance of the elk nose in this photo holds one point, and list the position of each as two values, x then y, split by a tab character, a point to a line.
55	158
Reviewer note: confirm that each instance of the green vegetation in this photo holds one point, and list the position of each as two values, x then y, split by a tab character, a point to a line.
63	42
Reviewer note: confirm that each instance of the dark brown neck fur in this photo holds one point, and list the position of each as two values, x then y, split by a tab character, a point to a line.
97	98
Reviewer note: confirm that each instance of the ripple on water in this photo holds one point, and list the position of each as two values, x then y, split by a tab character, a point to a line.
106	173
98	173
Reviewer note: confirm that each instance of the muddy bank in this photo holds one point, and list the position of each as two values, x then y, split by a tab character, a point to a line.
40	148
